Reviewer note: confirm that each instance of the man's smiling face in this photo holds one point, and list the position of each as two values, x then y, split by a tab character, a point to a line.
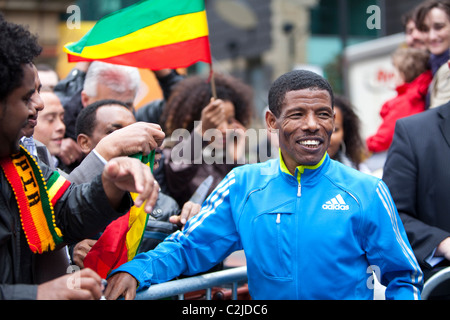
305	125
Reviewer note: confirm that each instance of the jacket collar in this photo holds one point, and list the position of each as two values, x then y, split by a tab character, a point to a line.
302	171
436	61
444	125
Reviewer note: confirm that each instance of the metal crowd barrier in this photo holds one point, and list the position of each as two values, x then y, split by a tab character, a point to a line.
434	281
179	288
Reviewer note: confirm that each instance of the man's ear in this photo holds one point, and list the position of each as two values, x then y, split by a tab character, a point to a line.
271	121
84	99
334	119
85	143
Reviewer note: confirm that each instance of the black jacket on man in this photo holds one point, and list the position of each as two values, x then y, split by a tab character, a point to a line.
82	211
417	172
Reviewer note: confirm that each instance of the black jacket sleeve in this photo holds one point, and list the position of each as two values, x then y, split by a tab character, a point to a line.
152	111
401	175
18	292
84	209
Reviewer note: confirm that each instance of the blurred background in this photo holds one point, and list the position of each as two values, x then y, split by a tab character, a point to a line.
257	40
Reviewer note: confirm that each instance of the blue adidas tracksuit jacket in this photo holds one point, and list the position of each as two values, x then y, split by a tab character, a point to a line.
312	236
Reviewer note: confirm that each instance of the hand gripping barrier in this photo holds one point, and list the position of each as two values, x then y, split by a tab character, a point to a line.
207	281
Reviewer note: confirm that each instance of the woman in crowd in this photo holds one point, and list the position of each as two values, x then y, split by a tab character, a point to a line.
433	18
346	144
204	152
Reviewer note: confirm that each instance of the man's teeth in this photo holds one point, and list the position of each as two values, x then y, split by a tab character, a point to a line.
310	143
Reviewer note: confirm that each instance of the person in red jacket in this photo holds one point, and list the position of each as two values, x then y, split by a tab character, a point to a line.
414	77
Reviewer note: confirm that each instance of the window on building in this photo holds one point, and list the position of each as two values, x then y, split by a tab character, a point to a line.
326	18
94	10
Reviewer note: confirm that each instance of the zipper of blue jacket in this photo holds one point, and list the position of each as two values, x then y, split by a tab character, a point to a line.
299	171
298	220
299	187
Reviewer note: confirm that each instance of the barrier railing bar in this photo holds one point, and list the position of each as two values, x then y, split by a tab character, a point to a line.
434	281
205	281
234	291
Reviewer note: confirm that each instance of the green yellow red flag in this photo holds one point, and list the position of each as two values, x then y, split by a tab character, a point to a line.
151	34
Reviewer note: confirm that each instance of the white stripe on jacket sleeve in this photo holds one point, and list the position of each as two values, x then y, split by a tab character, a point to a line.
386	199
209	207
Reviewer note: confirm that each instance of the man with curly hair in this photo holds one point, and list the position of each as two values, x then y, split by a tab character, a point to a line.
40	211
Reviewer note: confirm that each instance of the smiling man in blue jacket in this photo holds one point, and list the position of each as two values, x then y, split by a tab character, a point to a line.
311	228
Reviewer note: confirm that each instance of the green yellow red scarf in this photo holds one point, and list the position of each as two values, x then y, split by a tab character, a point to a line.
35	199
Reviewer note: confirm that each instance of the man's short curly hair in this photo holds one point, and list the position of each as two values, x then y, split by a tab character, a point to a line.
293	81
17	47
87	118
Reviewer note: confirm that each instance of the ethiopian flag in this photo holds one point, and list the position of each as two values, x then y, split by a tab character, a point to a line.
121	239
151	34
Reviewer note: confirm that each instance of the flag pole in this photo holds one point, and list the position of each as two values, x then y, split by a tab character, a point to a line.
211	71
213	83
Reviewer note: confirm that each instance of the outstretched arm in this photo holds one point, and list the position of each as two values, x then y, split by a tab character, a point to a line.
207	239
124	174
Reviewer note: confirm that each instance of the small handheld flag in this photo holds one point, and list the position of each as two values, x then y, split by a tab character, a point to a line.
121	239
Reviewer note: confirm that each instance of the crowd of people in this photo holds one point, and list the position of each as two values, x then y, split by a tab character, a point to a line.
313	220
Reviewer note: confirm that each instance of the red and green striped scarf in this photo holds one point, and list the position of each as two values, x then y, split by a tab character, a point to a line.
35	199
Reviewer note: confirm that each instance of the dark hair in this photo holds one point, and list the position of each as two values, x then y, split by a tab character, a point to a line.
406	17
354	145
293	81
424	8
86	119
191	95
17	47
